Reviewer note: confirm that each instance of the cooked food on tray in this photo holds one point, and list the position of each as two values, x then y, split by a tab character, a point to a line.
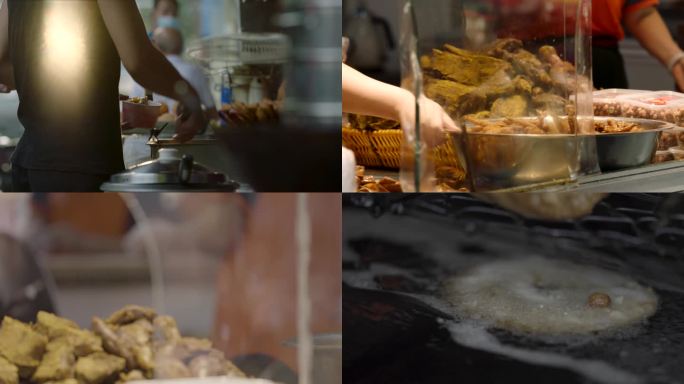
449	179
134	343
548	125
616	126
241	114
502	80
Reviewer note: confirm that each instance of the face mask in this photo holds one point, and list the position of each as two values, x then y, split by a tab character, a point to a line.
168	22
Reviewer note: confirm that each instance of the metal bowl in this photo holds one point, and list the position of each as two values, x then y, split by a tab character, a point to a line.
505	161
617	151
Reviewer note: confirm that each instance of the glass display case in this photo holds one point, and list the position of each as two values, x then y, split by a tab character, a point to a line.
515	76
168	286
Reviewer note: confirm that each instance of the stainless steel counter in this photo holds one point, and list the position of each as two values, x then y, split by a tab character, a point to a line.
659	178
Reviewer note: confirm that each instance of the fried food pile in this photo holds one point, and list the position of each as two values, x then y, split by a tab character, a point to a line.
134	343
502	80
240	114
448	179
370	123
369	184
616	126
546	125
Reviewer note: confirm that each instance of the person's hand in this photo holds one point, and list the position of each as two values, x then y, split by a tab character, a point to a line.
434	121
4	88
190	121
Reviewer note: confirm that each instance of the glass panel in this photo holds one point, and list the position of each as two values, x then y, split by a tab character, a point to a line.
515	75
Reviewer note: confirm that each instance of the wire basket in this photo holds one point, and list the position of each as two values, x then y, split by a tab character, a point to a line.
234	50
382	148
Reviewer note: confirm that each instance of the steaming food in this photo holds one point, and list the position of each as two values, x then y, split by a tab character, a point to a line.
134	343
543	296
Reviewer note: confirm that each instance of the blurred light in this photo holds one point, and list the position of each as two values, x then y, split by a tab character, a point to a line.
64	44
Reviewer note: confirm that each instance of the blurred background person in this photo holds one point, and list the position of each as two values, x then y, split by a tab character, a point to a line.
165	15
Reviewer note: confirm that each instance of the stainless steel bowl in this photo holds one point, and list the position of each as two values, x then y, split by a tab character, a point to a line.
617	151
505	161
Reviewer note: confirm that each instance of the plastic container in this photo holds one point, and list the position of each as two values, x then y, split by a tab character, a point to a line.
663	105
607	101
677	153
663	157
671	138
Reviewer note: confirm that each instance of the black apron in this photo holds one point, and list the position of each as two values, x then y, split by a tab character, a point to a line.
608	64
66	70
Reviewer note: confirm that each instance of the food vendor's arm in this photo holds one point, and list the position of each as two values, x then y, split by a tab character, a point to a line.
148	66
6	78
648	27
366	96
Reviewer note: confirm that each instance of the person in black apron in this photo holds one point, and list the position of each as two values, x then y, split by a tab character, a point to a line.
63	58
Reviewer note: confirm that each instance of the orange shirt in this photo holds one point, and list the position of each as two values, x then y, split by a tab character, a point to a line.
608	15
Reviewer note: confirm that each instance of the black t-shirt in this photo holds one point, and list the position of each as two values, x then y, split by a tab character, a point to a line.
66	70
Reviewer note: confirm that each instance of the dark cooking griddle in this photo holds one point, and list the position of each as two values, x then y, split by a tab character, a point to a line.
392	337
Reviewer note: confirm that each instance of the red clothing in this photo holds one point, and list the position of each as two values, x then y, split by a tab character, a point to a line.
608	15
529	20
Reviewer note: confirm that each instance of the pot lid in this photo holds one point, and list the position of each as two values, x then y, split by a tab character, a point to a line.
172	170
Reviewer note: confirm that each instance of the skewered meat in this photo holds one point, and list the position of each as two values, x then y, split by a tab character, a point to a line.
21	345
9	374
99	367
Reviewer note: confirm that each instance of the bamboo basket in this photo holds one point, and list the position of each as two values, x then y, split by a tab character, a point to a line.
382	148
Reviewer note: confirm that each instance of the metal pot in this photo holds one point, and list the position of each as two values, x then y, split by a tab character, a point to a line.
505	161
617	151
170	172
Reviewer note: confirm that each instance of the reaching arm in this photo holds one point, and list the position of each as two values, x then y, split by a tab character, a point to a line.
366	96
147	65
6	75
649	28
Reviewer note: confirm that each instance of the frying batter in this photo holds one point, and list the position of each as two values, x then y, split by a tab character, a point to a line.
543	296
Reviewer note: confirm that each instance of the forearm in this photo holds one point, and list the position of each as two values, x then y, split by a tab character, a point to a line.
649	28
366	96
159	76
143	61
